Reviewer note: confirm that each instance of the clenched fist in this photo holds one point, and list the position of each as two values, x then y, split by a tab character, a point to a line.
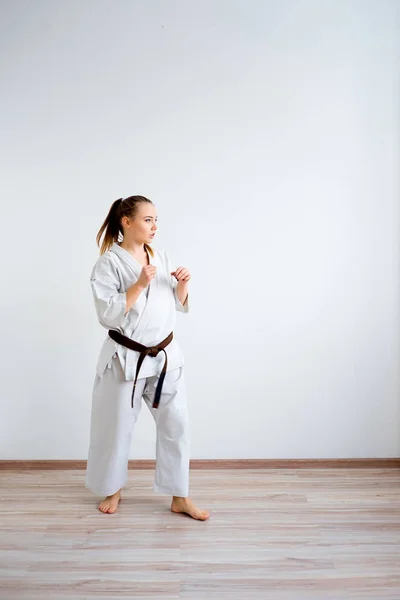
146	275
181	274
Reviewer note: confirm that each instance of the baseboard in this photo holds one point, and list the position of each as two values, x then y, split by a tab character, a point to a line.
247	463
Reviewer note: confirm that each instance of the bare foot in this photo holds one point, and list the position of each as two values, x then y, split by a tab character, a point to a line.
185	505
110	504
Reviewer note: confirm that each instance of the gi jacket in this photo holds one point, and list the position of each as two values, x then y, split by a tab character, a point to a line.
151	318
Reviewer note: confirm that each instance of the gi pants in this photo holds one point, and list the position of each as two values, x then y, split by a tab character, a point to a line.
112	423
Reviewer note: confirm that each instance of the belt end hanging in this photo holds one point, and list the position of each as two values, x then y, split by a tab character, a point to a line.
133	393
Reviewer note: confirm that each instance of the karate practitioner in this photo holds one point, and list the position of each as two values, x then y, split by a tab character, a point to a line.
136	295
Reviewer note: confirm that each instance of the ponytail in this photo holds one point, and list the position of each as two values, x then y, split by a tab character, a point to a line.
111	227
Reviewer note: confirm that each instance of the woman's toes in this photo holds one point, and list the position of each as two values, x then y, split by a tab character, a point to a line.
110	504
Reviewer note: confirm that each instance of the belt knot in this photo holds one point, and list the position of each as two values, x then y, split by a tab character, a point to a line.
153	351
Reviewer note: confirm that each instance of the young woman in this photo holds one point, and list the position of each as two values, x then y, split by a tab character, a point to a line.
136	295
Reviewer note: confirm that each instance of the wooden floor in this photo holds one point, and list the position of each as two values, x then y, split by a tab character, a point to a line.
273	534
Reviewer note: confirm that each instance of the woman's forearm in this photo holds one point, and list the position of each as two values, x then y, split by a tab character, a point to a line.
132	294
182	290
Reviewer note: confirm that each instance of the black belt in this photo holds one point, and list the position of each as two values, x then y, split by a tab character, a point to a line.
144	351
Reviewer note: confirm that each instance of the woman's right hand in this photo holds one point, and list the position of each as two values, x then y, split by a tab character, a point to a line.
146	275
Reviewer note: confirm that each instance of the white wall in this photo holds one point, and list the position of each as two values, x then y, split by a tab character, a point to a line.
267	134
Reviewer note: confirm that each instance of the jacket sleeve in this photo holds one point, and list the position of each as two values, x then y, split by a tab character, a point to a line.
109	302
173	282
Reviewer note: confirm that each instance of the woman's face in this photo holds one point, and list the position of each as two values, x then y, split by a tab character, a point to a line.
143	226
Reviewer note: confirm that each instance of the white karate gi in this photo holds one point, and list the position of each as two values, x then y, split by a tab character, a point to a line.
149	321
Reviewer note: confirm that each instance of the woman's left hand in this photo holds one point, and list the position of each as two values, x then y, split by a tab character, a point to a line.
181	274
